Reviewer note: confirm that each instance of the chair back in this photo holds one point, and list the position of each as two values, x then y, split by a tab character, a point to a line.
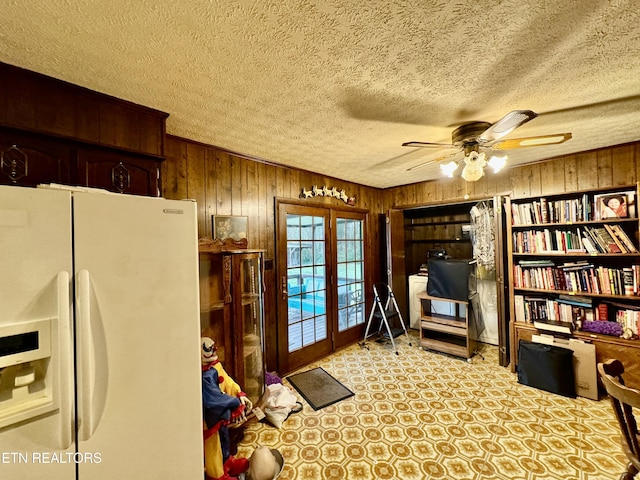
623	400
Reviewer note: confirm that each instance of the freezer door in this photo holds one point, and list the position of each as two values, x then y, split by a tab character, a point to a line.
139	373
36	356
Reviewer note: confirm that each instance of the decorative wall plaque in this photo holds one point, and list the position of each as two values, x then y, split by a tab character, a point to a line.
324	191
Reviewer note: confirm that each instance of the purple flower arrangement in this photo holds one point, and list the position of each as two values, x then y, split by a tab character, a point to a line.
602	327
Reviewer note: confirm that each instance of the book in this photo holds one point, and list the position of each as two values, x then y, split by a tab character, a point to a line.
624	238
536	263
619	243
576	300
597	242
602	312
518	302
586	208
515	214
589	245
627	278
554	326
607	240
544	210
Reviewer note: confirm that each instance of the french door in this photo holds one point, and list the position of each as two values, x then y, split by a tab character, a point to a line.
321	268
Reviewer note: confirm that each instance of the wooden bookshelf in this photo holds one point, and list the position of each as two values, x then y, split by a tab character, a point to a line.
570	260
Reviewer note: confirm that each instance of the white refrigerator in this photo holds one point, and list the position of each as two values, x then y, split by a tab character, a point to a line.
100	373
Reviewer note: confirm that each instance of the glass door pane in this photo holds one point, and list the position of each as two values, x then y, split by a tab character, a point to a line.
252	340
213	308
350	269
306	280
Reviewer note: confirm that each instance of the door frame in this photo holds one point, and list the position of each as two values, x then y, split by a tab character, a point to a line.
397	268
287	363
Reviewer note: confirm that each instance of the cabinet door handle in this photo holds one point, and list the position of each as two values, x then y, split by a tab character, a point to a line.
285	293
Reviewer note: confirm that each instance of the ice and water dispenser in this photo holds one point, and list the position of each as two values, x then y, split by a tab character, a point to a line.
25	376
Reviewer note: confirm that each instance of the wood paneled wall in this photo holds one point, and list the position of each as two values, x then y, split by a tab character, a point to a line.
600	168
227	184
224	183
38	103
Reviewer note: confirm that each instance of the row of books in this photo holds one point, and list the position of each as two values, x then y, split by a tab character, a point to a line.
565	313
608	238
629	319
555	211
582	208
580	276
556	312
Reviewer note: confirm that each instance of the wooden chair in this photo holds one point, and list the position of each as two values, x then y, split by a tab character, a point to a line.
623	400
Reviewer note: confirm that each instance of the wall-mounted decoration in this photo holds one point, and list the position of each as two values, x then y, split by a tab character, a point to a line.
229	227
328	192
14	163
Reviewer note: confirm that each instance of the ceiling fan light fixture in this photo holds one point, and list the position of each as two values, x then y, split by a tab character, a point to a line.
497	163
470	137
472	174
449	168
474	168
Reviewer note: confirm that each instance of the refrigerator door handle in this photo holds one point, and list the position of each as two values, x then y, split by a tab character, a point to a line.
86	365
65	359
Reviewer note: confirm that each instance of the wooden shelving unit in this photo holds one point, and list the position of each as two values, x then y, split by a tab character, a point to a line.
443	226
231	312
448	332
546	236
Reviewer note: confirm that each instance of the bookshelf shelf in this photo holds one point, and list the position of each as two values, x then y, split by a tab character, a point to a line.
565	224
572	262
575	254
631	298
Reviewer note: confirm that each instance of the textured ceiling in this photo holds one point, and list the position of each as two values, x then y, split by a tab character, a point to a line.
337	86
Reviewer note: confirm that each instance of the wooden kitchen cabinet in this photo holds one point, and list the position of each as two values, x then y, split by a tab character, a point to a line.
55	132
28	159
113	171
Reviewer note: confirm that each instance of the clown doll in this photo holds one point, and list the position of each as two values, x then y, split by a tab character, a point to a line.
224	403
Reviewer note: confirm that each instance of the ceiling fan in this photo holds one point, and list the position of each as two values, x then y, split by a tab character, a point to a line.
473	137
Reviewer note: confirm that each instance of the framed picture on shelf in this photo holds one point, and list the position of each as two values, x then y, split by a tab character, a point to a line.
229	227
611	205
631	203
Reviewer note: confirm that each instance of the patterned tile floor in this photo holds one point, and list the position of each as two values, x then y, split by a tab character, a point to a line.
425	415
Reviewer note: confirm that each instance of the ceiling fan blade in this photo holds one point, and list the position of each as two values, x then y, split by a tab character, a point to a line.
532	141
506	125
428	144
431	162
